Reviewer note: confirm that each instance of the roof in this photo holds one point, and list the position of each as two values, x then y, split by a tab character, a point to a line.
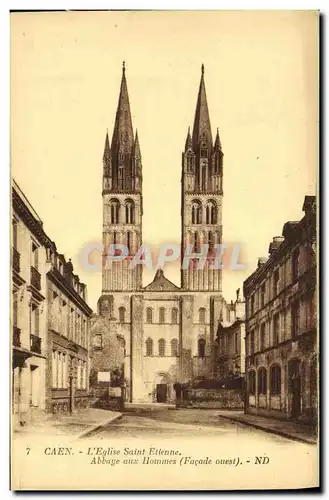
161	284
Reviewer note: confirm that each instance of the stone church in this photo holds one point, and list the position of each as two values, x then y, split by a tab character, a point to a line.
168	331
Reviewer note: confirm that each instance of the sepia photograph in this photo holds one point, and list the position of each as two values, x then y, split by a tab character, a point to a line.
164	250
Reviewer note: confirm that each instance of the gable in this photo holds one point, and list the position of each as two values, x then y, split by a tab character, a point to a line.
161	284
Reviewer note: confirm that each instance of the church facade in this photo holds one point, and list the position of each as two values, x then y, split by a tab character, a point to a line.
168	330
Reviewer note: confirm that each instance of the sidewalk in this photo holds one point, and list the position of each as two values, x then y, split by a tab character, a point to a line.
78	425
285	428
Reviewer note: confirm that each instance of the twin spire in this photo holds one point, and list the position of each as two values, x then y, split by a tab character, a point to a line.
202	135
125	147
122	161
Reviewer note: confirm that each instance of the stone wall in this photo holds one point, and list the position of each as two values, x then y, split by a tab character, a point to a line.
225	399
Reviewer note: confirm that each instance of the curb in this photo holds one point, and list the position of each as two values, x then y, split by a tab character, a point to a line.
98	427
270	430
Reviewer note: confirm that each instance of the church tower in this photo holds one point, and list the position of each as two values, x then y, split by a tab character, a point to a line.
202	193
122	199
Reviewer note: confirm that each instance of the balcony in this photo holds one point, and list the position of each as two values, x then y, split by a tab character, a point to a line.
35	278
16	260
35	343
16	336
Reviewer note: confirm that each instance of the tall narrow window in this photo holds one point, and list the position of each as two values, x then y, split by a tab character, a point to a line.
174	315
162	315
275	379
252	304
196	212
129	241
295	318
54	369
201	348
129	212
262	336
262	294
262	383
196	242
202	315
276	278
149	315
276	328
114	211
149	347
174	347
121	176
210	240
122	314
162	347
211	213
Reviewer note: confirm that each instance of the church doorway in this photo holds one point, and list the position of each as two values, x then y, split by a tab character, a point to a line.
161	393
162	388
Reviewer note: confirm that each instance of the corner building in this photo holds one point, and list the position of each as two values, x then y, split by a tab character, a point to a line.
281	325
168	330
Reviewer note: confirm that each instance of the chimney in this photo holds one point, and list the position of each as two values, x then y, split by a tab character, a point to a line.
274	245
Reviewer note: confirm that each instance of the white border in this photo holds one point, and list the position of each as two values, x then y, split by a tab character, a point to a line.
5	6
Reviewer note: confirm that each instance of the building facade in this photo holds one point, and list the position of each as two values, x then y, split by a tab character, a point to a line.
29	310
230	343
69	345
50	322
168	329
281	330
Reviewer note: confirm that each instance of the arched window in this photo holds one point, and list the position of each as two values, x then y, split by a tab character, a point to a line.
114	211
162	315
162	347
211	213
122	314
196	212
149	347
202	315
201	348
129	206
252	382
174	316
275	379
174	347
149	315
262	382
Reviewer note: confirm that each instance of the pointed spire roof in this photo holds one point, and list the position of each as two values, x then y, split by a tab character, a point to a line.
137	151
202	120
188	143
107	151
123	131
217	145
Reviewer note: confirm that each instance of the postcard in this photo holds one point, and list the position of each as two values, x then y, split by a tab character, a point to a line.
164	250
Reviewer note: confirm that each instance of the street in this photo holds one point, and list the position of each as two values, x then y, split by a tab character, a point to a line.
185	423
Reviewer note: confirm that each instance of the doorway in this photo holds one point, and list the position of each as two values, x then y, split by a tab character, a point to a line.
161	393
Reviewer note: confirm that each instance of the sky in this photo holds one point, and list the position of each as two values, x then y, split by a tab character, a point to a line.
261	76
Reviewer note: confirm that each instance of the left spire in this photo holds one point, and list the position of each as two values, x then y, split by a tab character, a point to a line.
123	137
